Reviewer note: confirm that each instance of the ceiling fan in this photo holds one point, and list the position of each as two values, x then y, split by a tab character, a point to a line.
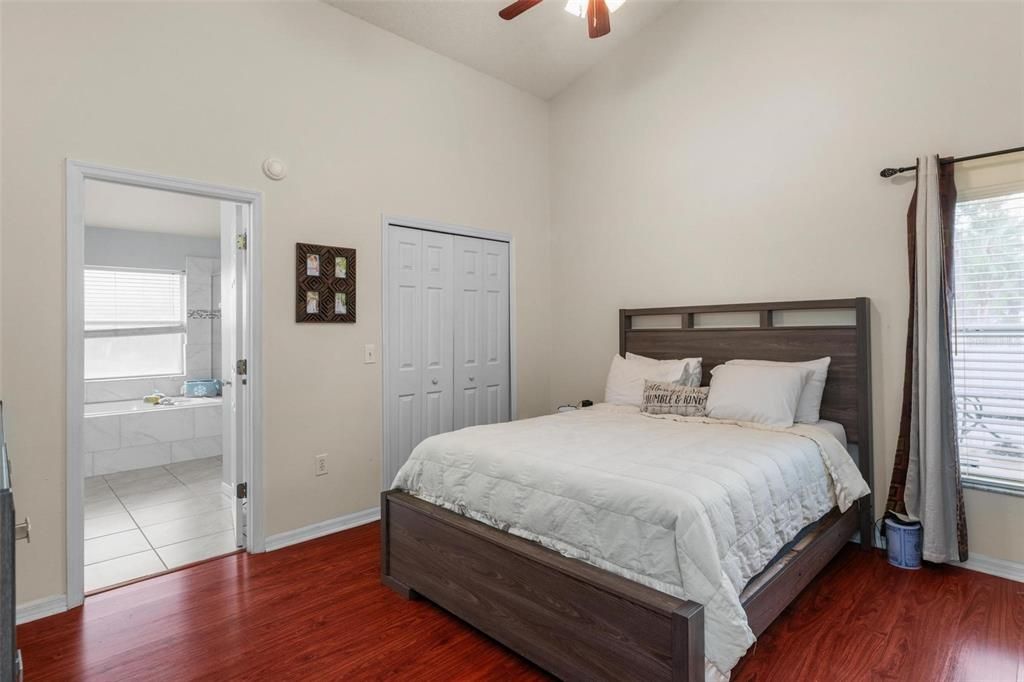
597	14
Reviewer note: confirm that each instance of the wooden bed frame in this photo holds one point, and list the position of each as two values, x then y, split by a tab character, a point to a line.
581	622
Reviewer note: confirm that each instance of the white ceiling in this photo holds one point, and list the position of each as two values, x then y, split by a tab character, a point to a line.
124	207
541	51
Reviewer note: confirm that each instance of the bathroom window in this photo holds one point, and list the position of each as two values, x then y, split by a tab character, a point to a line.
134	323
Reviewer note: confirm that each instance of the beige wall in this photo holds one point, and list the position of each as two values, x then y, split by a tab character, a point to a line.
367	122
731	154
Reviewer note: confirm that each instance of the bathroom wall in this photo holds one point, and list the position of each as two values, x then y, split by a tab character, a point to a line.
137	249
140	439
202	316
108	247
215	347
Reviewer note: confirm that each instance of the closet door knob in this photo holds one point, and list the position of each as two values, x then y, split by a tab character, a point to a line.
472	378
434	381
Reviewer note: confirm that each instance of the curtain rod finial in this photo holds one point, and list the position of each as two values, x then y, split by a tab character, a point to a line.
889	172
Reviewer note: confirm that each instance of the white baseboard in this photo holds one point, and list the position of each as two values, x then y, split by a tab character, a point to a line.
317	530
41	608
1011	570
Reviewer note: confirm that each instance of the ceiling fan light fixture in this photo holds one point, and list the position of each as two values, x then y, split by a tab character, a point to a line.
578	8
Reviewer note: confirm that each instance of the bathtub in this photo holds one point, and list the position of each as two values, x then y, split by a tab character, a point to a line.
133	406
124	435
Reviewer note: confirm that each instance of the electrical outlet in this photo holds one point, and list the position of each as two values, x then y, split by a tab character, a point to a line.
320	464
369	354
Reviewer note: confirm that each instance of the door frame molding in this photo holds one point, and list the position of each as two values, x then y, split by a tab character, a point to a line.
388	221
77	172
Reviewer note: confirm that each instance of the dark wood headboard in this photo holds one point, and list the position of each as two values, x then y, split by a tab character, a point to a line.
847	397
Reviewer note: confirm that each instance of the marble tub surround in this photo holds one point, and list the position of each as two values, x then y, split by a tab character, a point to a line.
201	316
144	436
146	521
215	347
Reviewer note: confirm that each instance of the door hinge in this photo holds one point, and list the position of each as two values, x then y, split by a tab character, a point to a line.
242	241
242	491
242	368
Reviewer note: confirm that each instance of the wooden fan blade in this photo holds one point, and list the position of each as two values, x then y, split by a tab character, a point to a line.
517	8
599	22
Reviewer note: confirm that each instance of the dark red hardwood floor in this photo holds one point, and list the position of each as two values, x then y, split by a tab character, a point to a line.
317	612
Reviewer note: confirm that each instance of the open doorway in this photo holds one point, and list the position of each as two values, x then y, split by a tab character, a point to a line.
161	393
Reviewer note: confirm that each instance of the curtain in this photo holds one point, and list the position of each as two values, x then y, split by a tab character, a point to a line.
925	484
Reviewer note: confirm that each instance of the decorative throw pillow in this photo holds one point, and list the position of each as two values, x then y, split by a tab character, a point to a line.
662	398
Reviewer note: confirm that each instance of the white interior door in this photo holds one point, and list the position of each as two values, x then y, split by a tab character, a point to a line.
234	219
436	313
405	350
481	341
419	357
447	359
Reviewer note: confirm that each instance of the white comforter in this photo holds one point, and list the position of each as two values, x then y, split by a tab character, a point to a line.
690	506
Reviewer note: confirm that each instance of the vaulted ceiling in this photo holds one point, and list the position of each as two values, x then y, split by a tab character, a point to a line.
542	51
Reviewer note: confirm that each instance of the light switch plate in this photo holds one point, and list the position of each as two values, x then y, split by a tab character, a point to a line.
369	354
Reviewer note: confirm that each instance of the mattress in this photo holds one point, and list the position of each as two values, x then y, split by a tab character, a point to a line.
690	506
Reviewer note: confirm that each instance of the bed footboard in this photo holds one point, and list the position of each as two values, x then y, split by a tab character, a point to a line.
572	619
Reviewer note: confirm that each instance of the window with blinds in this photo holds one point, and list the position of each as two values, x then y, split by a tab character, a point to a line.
134	323
988	342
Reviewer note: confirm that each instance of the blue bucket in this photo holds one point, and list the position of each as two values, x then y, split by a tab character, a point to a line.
903	540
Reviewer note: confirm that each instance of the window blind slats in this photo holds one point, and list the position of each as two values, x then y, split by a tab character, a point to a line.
120	299
988	365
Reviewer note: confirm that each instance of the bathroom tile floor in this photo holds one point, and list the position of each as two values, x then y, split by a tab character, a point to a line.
147	521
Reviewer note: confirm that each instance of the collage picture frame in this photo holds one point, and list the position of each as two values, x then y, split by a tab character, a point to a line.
325	283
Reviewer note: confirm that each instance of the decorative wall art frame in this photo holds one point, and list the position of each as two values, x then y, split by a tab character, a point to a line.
325	283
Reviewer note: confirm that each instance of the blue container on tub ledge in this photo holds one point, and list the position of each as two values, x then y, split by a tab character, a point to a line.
201	388
903	542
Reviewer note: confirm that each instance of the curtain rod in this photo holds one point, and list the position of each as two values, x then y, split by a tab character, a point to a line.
889	172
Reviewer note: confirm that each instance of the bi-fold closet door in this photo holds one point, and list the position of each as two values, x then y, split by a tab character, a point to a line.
448	336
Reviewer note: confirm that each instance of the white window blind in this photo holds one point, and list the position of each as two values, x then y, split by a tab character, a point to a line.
133	299
988	343
134	323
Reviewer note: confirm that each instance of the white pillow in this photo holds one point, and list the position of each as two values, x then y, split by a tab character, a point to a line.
691	375
756	393
625	385
808	410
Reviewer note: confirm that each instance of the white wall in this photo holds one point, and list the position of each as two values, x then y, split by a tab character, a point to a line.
731	153
368	124
109	247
